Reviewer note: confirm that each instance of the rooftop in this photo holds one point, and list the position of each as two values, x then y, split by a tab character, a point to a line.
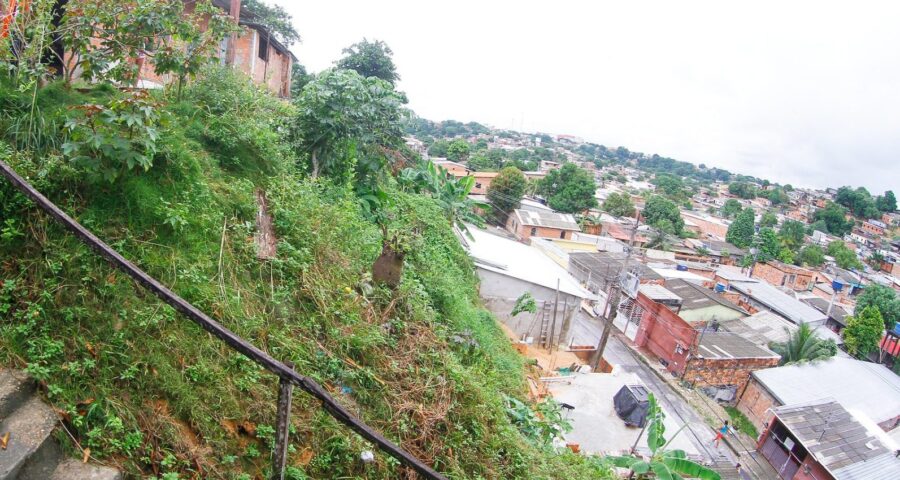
761	328
509	257
778	301
839	442
545	218
856	385
696	297
606	265
660	294
725	345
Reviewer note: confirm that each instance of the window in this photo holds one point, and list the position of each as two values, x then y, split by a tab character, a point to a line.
477	185
562	234
533	231
263	51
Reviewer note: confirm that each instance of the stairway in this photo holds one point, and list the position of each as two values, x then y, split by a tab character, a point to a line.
31	452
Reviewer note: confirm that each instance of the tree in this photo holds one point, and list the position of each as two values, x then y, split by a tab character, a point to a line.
664	464
731	208
740	232
864	331
768	220
833	216
344	118
887	202
669	185
769	246
439	148
792	234
843	256
569	189
859	202
812	256
619	205
662	213
883	299
370	59
776	196
276	20
803	346
458	150
299	78
505	192
743	190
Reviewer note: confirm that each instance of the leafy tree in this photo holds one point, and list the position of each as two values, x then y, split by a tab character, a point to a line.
299	78
480	161
833	216
569	189
439	148
882	298
450	193
662	213
769	246
731	208
818	225
858	201
458	150
864	331
740	232
887	202
669	185
743	190
811	255
619	205
792	234
776	196
344	119
843	256
275	18
768	220
803	346
663	464
505	192
370	59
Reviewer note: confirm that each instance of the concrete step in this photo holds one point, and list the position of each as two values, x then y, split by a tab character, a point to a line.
30	427
72	469
15	387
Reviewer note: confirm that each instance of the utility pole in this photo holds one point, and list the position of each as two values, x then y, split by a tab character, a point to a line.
612	301
550	341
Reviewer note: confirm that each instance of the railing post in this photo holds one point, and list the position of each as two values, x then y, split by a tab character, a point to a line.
282	427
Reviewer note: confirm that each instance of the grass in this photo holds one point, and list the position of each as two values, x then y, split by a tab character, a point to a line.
151	393
741	422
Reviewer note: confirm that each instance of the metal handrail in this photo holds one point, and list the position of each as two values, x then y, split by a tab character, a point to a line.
285	373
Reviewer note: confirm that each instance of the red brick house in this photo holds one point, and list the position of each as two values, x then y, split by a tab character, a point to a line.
784	275
541	223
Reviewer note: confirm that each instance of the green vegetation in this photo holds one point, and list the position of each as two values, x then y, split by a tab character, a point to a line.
832	218
505	193
663	214
864	331
731	208
569	189
804	346
811	255
741	422
458	150
152	393
619	205
843	256
884	299
370	59
740	232
859	202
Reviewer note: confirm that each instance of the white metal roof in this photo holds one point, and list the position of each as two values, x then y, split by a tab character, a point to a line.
544	218
859	386
508	257
779	302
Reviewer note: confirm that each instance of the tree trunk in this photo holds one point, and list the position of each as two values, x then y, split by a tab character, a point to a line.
315	165
388	267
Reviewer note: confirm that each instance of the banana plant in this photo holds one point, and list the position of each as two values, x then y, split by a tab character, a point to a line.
451	194
662	464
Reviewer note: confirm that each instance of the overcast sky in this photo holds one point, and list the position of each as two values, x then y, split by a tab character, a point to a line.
806	93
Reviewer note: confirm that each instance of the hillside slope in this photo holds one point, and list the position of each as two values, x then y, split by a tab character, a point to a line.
150	392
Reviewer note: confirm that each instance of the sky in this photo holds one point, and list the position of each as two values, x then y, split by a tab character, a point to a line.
806	93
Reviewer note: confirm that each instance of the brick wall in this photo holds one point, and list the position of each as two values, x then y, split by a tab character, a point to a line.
664	333
785	275
726	371
755	402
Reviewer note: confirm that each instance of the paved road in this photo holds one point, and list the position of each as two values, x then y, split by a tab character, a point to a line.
587	330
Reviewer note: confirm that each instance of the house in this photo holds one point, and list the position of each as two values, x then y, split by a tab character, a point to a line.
482	179
456	169
823	440
704	224
604	244
621	233
701	305
507	269
254	51
756	295
873	227
837	317
526	223
708	357
860	386
762	328
784	275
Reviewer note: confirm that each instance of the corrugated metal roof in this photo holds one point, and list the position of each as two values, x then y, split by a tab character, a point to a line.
695	297
659	293
542	218
860	386
839	442
779	302
731	345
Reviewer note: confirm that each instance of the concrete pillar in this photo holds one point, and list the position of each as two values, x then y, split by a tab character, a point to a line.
235	12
